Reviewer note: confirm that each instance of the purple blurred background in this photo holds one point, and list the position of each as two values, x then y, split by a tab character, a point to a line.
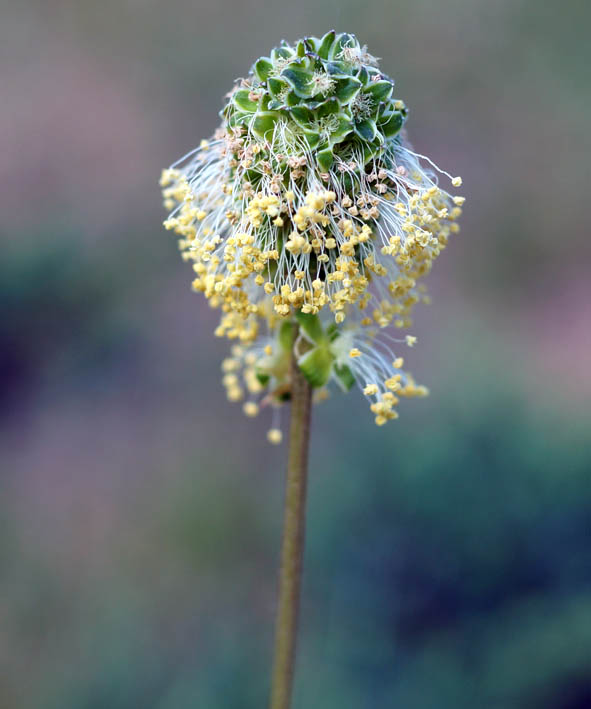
448	559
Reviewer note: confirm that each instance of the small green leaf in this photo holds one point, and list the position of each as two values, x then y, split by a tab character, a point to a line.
366	130
325	159
243	103
264	122
393	125
344	376
316	365
311	326
326	43
347	89
263	68
380	90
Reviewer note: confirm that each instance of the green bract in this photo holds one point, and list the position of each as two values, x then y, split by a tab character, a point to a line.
327	91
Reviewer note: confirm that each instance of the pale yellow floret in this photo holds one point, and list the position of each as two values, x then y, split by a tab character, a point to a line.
342	248
274	436
250	408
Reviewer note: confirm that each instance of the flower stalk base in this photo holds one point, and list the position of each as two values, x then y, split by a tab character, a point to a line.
293	540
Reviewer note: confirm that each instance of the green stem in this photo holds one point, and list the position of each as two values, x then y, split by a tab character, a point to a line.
293	540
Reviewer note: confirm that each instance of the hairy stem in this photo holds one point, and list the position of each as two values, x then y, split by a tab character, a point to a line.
293	541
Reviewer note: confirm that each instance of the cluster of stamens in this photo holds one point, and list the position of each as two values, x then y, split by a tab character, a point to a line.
331	250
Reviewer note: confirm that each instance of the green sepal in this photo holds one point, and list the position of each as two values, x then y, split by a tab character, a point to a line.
311	326
264	122
325	159
280	53
326	43
344	376
316	365
366	130
338	70
347	89
263	68
243	103
262	377
302	115
363	76
393	125
328	107
310	43
293	99
370	150
380	90
301	81
343	40
332	332
344	129
301	48
286	331
312	137
275	86
304	63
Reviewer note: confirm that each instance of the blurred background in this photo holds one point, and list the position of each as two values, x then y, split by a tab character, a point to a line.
448	561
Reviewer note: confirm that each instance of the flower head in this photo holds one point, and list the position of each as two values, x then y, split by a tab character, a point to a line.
309	212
